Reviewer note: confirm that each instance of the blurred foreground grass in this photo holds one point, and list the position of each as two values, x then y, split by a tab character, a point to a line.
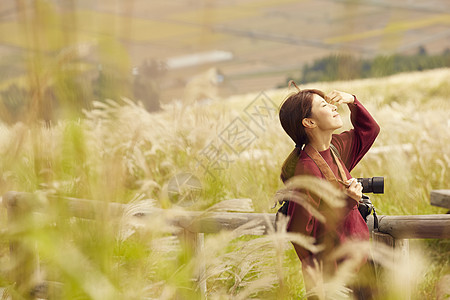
118	152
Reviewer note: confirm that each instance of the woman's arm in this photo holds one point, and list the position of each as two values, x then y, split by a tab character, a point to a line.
354	144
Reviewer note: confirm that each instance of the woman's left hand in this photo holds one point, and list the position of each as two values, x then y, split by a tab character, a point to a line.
354	189
337	98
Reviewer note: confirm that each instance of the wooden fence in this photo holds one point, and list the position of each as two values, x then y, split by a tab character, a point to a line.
393	230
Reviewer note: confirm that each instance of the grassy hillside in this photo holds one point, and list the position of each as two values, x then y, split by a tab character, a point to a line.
270	40
234	147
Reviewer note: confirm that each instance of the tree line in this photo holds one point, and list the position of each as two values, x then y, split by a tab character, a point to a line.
74	91
347	67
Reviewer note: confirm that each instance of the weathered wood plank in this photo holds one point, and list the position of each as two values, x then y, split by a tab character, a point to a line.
440	198
414	226
400	227
214	221
194	221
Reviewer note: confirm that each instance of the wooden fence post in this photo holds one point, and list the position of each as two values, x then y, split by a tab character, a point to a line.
202	268
399	252
23	258
194	242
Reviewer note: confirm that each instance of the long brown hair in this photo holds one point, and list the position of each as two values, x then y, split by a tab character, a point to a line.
293	110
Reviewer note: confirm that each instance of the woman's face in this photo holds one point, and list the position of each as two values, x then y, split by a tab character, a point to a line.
325	114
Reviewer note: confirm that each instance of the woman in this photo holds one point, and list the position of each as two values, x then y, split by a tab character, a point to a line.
310	117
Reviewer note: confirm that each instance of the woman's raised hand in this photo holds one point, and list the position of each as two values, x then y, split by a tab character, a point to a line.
337	98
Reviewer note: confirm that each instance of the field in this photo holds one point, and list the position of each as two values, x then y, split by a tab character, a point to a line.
269	40
118	152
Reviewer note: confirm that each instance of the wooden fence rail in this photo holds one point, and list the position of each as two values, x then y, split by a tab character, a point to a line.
440	198
415	226
393	230
435	226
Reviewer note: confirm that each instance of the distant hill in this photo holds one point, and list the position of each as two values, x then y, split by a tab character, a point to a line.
268	40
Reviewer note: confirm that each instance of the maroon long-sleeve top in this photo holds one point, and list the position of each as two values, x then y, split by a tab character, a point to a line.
352	145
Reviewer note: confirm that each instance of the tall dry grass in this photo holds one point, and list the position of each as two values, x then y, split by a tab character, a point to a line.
118	152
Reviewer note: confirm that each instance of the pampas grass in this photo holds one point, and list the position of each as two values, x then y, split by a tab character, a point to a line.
118	152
